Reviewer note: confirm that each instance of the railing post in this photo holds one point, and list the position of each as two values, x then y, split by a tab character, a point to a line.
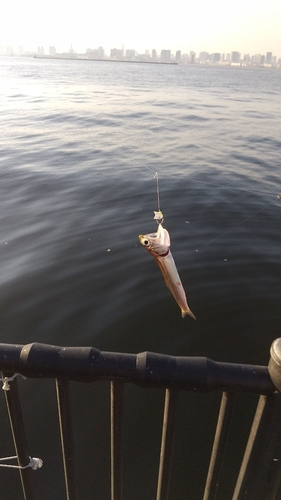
65	422
168	432
117	401
219	446
18	432
260	472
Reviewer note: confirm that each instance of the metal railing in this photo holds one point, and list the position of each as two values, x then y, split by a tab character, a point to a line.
260	470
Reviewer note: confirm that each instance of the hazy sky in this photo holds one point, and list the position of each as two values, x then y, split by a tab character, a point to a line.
248	26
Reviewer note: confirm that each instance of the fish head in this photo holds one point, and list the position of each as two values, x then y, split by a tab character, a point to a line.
157	244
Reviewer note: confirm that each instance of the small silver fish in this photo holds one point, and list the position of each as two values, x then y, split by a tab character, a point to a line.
158	244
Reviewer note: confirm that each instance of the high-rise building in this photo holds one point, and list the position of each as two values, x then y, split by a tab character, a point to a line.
256	59
192	56
165	55
130	54
178	56
101	52
235	57
116	53
52	50
268	58
203	57
154	55
215	57
95	53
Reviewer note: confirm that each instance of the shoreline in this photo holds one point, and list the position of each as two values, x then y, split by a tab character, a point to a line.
172	63
102	60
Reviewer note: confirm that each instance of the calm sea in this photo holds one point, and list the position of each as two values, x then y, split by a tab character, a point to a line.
79	145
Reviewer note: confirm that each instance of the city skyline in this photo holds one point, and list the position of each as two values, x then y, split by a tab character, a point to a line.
165	55
248	26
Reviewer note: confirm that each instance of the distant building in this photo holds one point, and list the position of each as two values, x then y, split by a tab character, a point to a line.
256	59
130	54
268	58
95	53
165	55
215	57
101	52
203	57
192	56
154	55
184	58
235	57
40	50
178	56
116	53
52	50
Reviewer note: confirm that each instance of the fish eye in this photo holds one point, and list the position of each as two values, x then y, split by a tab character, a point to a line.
145	242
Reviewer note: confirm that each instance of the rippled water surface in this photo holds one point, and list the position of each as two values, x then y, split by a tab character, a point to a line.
79	145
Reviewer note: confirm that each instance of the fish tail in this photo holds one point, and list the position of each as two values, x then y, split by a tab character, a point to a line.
184	312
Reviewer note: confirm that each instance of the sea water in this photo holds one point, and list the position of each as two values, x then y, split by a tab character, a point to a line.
80	143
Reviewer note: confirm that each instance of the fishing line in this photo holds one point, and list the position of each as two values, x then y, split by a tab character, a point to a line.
156	176
229	230
158	191
223	186
158	216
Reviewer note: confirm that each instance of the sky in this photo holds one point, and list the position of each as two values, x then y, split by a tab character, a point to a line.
246	26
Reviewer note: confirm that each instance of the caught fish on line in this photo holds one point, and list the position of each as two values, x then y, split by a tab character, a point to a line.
158	245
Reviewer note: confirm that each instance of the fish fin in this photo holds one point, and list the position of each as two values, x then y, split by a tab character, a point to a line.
188	311
163	236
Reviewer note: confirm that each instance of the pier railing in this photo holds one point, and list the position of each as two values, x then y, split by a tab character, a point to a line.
260	470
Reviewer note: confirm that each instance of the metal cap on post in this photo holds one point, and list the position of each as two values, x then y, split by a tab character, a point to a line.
274	366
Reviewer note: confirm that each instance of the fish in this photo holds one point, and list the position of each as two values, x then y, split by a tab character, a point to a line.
158	245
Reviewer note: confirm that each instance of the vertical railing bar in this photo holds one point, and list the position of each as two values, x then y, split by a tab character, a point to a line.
168	432
66	433
116	406
251	440
219	446
19	437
